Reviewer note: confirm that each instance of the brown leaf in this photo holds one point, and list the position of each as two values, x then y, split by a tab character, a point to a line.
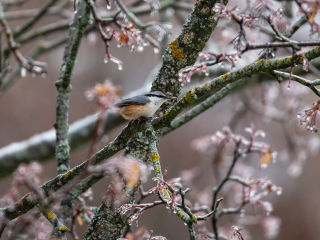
134	175
79	219
265	159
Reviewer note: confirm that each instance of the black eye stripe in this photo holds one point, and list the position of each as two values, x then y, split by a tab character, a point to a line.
154	95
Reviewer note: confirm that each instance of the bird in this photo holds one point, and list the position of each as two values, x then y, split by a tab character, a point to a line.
141	106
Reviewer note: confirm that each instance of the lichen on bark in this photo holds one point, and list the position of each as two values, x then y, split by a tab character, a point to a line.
76	31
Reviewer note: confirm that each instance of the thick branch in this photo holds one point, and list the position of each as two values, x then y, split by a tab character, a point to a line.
76	32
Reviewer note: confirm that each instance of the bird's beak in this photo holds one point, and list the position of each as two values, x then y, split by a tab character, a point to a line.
171	98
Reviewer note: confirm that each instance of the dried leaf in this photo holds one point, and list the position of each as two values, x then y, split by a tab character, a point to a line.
133	178
129	236
314	11
79	219
265	159
253	186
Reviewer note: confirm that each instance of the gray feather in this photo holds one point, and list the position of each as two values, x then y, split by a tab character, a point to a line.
138	100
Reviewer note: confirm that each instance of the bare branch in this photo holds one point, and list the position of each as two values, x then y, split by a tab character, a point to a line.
40	13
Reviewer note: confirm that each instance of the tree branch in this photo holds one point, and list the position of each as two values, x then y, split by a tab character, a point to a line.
40	13
30	200
76	32
310	84
205	105
28	64
216	190
42	48
81	130
262	66
153	150
59	228
27	13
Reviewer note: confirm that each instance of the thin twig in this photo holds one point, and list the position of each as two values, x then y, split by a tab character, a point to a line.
28	64
217	189
35	18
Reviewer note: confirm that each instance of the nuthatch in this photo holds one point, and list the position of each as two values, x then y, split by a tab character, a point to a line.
141	106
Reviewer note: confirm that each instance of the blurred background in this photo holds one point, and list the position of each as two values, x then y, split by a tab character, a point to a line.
28	108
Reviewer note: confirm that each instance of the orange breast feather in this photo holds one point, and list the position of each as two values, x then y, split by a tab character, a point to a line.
132	112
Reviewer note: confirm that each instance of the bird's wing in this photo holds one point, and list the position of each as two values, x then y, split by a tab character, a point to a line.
131	101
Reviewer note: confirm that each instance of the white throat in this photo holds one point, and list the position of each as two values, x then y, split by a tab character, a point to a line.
157	101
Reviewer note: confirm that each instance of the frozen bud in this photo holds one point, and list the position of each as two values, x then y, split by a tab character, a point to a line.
237	232
89	95
267	206
242	213
279	191
37	69
249	130
274	156
170	12
92	38
23	72
106	58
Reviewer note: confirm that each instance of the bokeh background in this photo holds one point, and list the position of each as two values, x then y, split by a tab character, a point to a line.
28	108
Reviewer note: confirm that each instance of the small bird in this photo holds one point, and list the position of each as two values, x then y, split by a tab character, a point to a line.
141	106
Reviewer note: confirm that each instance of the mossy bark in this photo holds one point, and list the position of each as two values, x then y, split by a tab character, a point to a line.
76	31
